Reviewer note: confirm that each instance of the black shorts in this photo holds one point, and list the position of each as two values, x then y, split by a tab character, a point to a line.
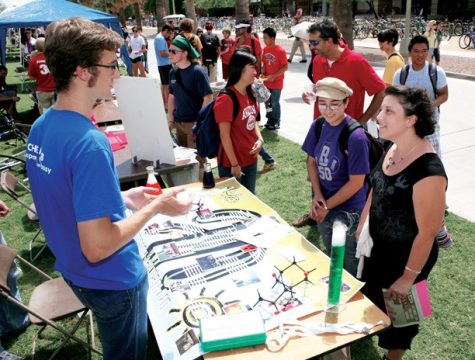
164	72
137	59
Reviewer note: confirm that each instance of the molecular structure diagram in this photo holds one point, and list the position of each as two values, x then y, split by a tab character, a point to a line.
286	299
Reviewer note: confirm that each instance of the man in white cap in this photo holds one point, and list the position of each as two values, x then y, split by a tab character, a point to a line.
245	37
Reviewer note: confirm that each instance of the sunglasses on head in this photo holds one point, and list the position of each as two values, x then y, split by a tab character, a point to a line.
314	42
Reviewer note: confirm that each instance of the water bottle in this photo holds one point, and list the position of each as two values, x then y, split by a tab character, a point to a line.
336	263
152	182
208	179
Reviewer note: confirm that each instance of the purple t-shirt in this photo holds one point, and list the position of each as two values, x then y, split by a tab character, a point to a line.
333	167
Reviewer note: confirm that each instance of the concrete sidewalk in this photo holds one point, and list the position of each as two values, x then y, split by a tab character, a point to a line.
457	129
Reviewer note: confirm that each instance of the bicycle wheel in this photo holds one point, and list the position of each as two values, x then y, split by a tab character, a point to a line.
458	29
464	41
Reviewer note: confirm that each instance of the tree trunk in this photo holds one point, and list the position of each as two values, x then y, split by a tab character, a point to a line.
342	15
122	18
161	12
190	11
138	16
242	10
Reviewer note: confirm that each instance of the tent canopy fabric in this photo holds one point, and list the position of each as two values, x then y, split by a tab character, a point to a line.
42	12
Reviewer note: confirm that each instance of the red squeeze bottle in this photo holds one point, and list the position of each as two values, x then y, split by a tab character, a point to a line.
152	182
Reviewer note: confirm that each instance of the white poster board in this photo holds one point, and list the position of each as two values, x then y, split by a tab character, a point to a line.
144	119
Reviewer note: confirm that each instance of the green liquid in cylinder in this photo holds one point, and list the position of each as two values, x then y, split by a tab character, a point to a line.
336	272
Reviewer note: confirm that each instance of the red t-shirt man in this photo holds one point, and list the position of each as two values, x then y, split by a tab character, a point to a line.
356	72
273	59
252	42
243	133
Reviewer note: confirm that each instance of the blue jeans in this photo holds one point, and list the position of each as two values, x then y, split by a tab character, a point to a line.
273	117
268	159
248	179
121	317
12	318
351	219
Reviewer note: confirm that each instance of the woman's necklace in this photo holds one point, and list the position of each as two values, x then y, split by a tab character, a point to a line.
392	161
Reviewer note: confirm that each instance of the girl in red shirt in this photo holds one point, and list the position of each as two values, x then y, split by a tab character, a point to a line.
241	138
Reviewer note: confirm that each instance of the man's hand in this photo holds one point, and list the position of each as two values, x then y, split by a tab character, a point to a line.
174	202
4	209
136	198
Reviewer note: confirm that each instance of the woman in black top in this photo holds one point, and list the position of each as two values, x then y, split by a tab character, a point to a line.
406	207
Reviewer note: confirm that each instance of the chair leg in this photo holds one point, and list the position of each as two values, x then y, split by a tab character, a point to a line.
66	339
33	258
35	337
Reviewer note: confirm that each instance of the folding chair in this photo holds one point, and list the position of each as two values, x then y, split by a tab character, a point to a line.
9	183
50	301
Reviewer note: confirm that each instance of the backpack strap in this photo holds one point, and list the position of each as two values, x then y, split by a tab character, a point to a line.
318	127
235	100
190	93
433	79
403	74
351	126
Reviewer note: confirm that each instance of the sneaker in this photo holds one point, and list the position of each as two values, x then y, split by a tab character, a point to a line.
289	60
272	127
304	221
267	167
303	61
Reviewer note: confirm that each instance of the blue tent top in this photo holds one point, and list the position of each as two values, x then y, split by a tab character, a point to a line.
42	12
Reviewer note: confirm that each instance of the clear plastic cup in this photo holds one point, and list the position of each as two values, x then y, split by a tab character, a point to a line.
311	91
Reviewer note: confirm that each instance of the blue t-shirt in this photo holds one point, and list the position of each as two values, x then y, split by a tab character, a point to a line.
160	44
72	176
333	167
196	81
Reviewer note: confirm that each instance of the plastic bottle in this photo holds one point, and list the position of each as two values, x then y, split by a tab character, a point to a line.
336	263
208	179
152	182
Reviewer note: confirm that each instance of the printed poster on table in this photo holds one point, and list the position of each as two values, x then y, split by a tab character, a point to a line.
231	253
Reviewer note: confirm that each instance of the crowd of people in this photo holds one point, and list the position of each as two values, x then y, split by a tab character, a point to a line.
82	210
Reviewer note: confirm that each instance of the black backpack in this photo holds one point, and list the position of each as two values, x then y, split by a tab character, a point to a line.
376	150
206	130
432	75
210	48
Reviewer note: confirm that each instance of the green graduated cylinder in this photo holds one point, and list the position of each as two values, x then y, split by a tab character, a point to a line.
336	263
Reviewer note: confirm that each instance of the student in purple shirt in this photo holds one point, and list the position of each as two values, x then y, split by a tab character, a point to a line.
338	179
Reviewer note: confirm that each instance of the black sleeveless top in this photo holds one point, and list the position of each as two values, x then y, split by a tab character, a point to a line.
392	218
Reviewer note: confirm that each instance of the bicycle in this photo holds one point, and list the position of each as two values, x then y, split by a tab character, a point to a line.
9	129
468	40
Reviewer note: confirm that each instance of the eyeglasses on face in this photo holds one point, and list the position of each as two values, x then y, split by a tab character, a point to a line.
314	42
332	107
113	66
174	51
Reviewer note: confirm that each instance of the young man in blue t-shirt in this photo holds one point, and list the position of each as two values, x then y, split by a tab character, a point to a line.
76	190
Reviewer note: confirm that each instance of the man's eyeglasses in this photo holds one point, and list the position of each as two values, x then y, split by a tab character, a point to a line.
314	42
174	51
112	66
332	107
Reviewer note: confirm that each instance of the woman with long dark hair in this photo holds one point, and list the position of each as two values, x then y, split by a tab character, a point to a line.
241	139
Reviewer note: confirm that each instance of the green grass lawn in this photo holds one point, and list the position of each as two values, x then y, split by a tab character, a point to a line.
446	335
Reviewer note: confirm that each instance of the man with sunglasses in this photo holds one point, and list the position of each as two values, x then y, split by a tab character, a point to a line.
335	59
77	195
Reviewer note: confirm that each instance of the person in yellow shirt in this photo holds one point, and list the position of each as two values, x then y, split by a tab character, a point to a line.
387	41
